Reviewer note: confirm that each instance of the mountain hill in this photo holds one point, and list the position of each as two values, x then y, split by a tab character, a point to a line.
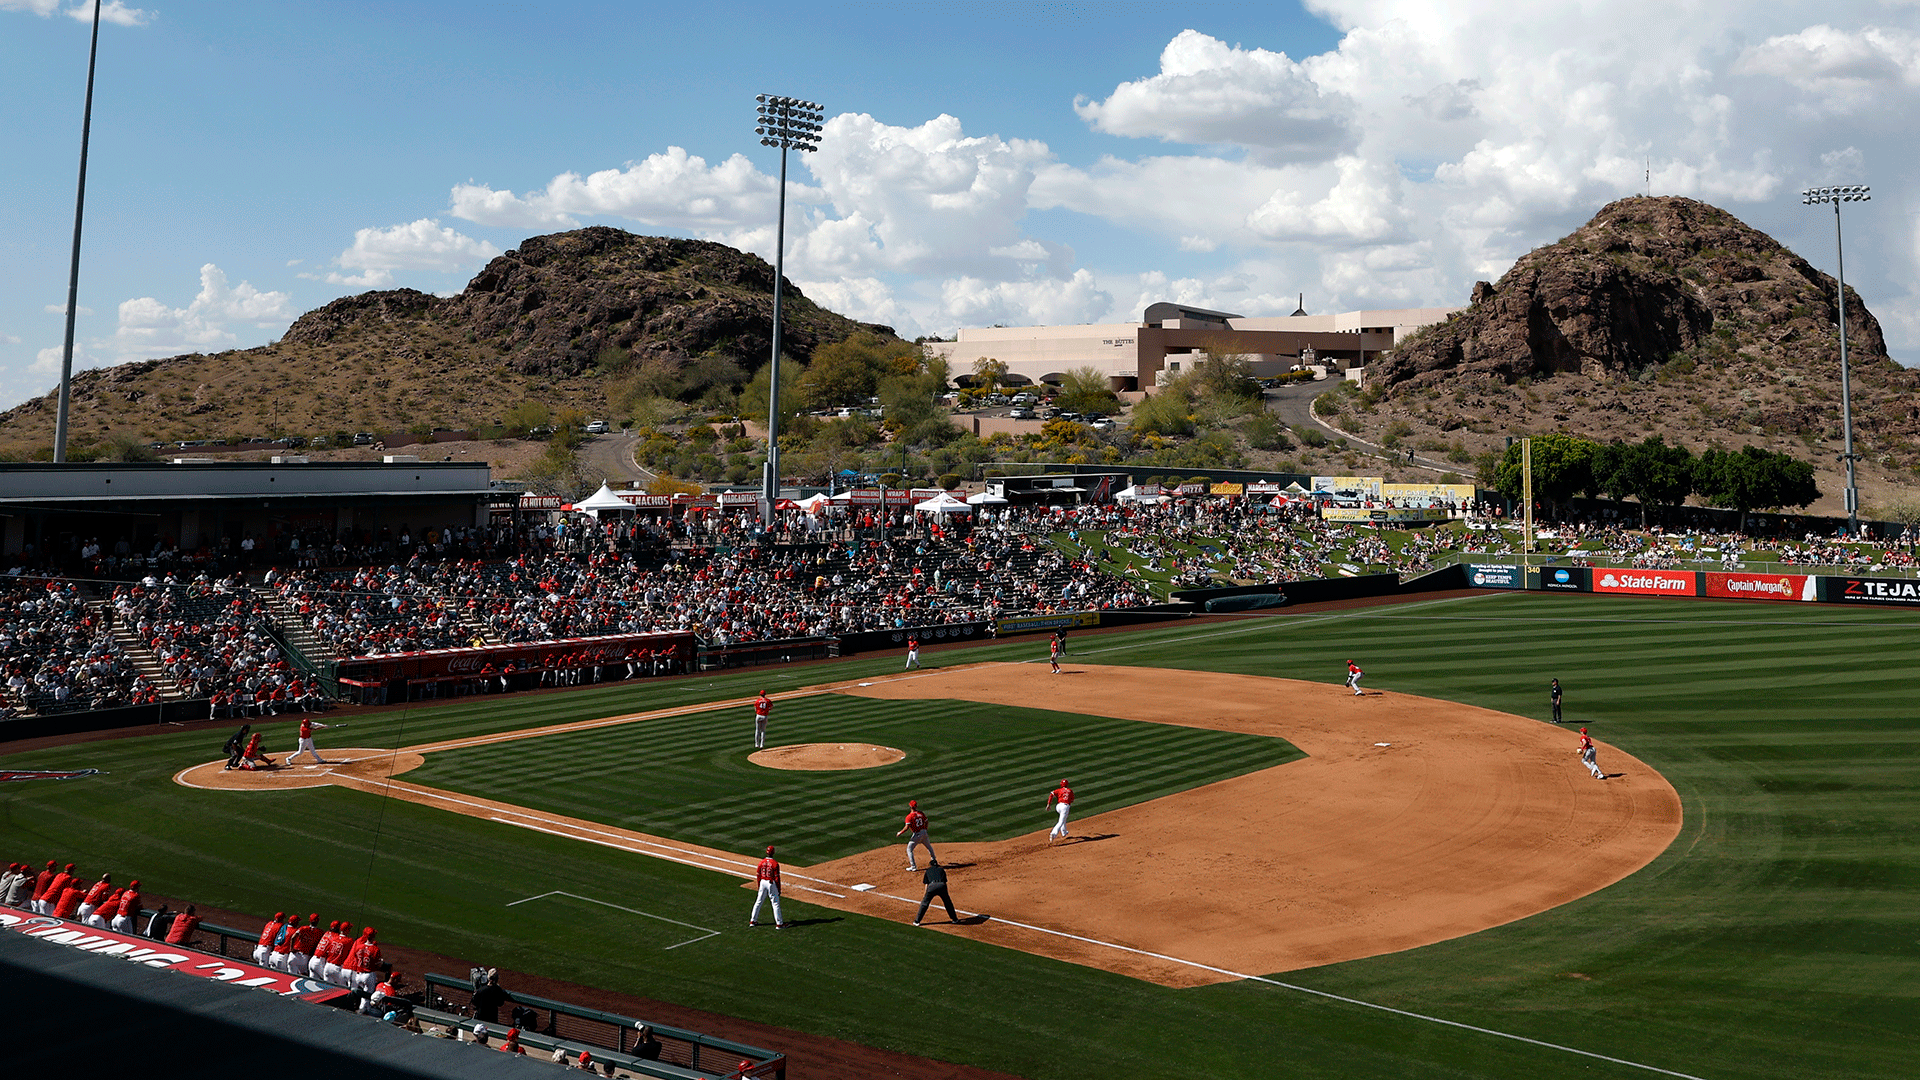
548	321
1660	315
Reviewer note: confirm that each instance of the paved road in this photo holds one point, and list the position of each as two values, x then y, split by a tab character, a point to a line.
610	457
1293	405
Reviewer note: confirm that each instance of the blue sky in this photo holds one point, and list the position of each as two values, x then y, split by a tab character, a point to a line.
986	162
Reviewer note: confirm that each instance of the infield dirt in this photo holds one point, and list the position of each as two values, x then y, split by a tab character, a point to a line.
1411	821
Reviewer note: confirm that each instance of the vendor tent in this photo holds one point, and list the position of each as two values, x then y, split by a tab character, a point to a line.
602	500
942	503
985	498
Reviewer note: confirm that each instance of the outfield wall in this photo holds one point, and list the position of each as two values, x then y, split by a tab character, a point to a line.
1707	584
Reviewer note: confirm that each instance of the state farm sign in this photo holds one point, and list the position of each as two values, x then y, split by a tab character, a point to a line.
1644	582
1758	586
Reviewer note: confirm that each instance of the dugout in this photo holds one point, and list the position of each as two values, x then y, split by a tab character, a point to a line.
443	673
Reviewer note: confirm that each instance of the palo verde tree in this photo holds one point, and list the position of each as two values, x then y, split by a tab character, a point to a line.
1752	479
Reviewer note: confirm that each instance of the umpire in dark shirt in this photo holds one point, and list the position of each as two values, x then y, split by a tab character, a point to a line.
936	879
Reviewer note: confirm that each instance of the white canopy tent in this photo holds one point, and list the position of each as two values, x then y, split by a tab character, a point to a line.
985	498
602	500
813	502
942	503
1134	494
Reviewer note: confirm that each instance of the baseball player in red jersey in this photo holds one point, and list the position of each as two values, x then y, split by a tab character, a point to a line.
762	707
913	653
253	753
1053	655
300	946
267	935
96	895
768	873
307	724
1059	799
1588	755
916	824
1353	677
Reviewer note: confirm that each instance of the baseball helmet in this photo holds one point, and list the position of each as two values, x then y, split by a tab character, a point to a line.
769	849
913	802
1583	731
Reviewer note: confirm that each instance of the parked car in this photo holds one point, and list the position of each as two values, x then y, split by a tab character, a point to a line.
1102	424
363	438
1020	412
598	427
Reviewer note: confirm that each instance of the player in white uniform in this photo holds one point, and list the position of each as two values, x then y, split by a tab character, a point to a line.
916	824
913	653
307	724
762	708
768	872
1060	799
1353	677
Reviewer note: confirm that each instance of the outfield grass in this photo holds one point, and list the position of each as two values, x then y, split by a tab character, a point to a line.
1778	937
981	771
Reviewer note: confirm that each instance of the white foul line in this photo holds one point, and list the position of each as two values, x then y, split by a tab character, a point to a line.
635	911
1312	991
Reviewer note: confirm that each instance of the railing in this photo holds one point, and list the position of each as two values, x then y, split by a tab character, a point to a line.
599	1030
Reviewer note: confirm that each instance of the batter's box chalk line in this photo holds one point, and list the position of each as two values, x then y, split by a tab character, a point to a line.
704	932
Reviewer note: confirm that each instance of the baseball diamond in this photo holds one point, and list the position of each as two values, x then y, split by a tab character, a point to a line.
1446	890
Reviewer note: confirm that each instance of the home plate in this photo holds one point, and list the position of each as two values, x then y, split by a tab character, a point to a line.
863	887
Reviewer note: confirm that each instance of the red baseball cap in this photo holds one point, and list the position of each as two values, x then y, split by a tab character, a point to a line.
913	802
769	849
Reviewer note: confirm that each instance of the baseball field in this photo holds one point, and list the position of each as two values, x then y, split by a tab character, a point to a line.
1267	876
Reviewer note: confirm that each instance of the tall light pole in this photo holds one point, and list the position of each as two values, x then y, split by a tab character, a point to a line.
1836	196
73	274
790	124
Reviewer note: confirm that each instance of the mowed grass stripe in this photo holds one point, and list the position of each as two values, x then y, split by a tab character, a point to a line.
981	769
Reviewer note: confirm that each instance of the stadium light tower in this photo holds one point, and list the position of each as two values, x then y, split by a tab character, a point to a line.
73	273
1836	196
790	124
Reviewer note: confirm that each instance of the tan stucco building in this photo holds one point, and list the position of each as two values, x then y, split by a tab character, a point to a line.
1132	355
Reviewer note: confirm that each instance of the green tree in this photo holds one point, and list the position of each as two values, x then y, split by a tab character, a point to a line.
1753	479
1562	467
753	397
988	373
527	415
1086	389
1222	376
1658	475
1169	411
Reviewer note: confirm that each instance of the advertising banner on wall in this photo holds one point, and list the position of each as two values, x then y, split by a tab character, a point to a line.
1854	590
1647	582
1496	576
1382	513
1560	578
1063	621
1729	586
1349	487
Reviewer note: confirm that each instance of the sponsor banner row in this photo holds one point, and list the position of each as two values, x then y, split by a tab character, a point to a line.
1715	584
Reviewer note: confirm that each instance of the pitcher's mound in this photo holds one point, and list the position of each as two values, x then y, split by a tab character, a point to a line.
826	756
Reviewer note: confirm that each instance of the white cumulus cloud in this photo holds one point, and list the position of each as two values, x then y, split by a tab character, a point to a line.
1210	92
672	188
423	245
113	11
150	327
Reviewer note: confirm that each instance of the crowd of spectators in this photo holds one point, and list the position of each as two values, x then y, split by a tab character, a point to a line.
60	655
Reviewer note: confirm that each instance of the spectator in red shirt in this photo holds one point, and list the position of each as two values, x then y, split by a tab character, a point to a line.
181	932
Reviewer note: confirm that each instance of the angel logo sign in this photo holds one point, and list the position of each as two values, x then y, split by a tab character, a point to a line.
46	774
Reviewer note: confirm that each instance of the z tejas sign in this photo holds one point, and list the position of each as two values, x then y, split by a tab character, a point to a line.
1848	590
